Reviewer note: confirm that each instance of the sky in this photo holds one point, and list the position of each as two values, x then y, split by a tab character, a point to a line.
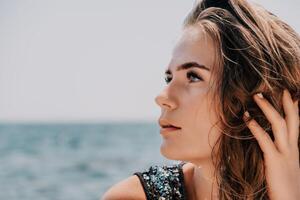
92	60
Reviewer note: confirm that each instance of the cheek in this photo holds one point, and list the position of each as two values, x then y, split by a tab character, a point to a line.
201	119
197	137
199	115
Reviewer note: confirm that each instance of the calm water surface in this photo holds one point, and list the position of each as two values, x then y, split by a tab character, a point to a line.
73	161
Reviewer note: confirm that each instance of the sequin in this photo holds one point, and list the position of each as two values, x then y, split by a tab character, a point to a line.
164	182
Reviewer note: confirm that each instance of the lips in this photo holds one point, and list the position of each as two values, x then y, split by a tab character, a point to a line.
166	124
170	126
167	129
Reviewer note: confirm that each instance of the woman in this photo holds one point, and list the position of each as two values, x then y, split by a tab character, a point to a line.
231	105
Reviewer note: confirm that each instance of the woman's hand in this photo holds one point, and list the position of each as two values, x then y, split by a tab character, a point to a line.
281	156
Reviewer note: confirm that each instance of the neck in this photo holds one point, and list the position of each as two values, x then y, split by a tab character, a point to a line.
204	181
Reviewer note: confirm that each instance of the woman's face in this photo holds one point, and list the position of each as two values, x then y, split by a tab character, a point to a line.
185	100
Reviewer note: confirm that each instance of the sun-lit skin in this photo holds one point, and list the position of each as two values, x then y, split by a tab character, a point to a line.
185	102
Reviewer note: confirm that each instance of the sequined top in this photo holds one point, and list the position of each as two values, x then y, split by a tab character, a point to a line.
165	182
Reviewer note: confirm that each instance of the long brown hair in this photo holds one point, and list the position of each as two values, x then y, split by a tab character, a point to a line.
256	52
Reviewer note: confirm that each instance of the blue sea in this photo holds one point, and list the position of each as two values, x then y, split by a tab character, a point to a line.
73	161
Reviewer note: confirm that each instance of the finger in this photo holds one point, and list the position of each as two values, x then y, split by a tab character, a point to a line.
296	103
291	117
277	121
264	140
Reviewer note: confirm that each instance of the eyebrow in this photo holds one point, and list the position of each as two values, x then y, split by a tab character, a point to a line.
188	65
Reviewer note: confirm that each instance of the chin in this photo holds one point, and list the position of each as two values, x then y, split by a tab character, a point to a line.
170	153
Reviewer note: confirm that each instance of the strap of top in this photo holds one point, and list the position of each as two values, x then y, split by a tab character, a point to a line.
164	182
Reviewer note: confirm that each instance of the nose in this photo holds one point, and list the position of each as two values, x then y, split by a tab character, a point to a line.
164	101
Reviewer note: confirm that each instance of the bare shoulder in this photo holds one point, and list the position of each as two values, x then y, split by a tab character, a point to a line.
188	169
129	188
188	172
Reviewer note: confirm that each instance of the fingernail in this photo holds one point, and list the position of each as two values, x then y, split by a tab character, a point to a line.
287	92
247	114
260	95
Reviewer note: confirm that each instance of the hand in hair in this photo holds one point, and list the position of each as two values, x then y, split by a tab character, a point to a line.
281	157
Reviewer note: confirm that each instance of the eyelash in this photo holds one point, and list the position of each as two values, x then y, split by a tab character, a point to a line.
188	75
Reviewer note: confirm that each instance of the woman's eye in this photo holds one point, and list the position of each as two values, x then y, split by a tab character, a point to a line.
193	77
167	79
